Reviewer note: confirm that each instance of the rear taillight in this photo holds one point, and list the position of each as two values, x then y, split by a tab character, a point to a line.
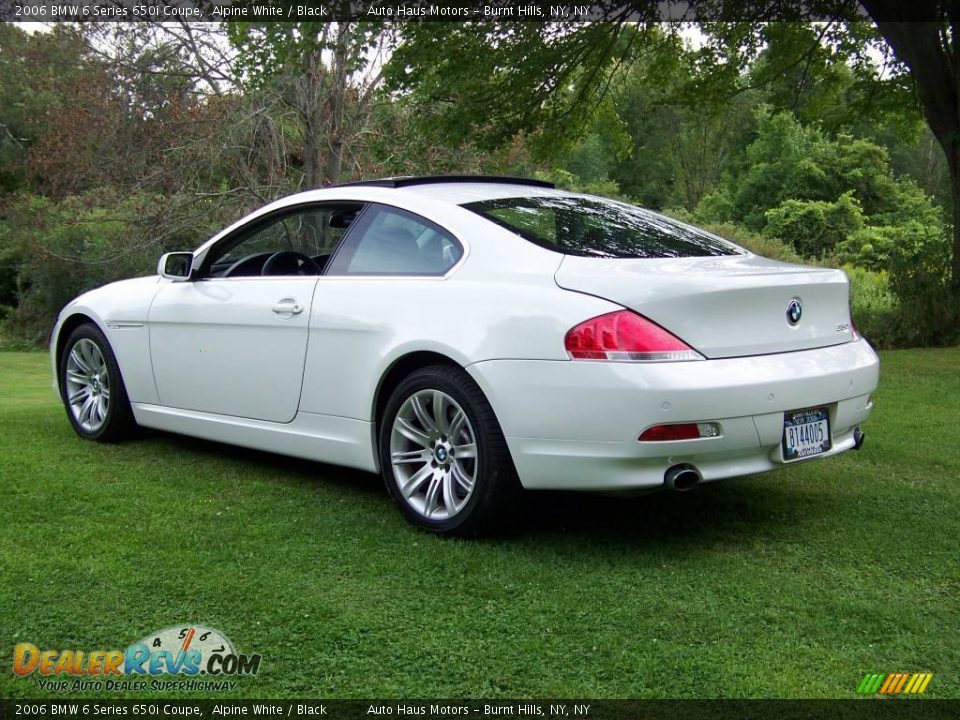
853	330
626	337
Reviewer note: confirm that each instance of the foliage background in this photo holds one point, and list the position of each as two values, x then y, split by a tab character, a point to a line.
122	141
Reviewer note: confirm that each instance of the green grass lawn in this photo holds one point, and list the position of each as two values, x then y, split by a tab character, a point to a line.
790	584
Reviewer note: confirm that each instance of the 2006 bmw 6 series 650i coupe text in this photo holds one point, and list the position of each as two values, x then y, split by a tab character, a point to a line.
467	337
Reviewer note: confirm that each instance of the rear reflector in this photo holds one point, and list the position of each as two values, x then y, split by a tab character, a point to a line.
626	337
680	431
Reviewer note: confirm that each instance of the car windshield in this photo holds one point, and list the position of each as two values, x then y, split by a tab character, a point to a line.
595	227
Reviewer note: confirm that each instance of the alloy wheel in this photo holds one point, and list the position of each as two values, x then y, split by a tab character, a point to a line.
433	450
87	385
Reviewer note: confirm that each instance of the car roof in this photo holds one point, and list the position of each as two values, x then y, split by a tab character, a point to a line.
461	193
410	180
461	189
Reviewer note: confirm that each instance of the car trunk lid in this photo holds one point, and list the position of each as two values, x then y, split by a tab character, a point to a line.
723	306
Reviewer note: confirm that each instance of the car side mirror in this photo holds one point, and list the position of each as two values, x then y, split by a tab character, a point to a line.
175	266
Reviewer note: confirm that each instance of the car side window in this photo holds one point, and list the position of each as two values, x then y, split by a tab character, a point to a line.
298	242
390	241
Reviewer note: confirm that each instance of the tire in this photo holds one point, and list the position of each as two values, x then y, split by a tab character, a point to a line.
437	489
90	377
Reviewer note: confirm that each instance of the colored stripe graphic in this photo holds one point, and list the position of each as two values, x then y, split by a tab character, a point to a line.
913	683
901	682
887	683
894	683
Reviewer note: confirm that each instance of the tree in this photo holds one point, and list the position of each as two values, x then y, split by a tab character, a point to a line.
326	73
41	78
117	149
922	60
486	82
493	80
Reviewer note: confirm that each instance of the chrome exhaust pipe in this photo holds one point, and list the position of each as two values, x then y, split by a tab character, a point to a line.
682	478
858	438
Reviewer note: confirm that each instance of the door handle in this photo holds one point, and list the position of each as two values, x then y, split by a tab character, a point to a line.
287	306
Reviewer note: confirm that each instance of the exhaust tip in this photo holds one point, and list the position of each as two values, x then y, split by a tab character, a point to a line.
859	436
682	478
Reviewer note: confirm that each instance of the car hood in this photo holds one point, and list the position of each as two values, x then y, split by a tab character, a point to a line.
124	300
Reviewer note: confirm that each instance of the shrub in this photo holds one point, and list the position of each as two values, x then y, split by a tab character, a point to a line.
716	206
814	227
869	247
873	307
930	317
59	249
788	161
768	247
568	181
919	261
869	291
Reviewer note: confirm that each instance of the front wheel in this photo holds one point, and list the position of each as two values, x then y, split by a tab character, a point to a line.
445	461
92	388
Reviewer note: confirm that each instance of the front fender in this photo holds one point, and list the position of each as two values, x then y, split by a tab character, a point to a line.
121	312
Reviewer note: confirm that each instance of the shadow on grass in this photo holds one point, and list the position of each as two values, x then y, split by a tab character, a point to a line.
714	512
716	515
288	469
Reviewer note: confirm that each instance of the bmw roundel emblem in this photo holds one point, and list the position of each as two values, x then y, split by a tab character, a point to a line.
794	311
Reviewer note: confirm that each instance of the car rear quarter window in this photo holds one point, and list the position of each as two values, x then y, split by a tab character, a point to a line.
596	227
390	241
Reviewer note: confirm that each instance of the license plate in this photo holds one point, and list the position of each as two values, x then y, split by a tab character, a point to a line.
805	433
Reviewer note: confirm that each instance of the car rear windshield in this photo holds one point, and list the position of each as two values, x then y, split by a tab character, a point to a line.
594	227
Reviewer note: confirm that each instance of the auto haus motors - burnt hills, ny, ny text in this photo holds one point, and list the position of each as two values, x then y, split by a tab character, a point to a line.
189	651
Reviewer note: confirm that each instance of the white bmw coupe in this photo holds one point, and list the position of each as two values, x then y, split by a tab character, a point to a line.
469	337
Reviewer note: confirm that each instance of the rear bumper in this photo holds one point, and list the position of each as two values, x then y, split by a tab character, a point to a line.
574	425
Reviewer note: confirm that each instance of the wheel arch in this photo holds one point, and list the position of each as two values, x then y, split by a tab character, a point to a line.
69	324
394	375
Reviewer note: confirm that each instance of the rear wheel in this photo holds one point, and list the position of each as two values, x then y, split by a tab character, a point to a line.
92	388
445	461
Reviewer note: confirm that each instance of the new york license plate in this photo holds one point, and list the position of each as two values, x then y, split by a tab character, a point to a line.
805	433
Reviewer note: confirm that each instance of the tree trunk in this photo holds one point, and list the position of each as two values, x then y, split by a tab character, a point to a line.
309	103
336	106
312	167
330	110
953	162
334	164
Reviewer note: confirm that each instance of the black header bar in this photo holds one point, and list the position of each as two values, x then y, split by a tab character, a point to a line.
72	708
425	11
